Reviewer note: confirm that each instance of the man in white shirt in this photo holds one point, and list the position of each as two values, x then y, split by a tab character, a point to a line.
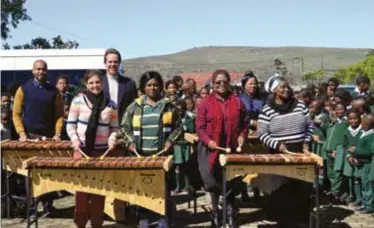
120	89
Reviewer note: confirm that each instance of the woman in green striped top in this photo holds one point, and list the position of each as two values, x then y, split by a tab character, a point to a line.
151	123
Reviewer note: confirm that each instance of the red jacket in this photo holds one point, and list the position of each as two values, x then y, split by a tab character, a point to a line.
214	115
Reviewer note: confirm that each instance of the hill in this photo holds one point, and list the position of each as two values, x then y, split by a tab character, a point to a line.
240	59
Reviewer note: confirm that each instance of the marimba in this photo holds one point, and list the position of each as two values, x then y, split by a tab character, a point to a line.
301	166
139	181
14	153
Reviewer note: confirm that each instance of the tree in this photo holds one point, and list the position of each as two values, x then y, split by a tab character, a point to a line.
370	53
12	13
43	43
313	75
364	67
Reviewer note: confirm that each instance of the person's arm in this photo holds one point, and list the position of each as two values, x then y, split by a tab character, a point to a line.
263	131
177	127
113	127
59	107
201	123
71	124
18	112
244	118
309	126
126	126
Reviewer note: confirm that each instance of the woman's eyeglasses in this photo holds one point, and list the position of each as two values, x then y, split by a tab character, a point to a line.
221	82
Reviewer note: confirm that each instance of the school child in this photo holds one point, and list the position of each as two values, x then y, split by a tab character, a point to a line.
362	86
351	185
190	106
6	132
362	104
182	149
334	138
171	88
306	96
202	94
64	134
363	152
5	100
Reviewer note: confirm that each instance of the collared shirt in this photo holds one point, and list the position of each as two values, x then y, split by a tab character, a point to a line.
113	88
37	84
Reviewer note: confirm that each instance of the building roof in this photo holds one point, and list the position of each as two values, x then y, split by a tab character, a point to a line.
205	78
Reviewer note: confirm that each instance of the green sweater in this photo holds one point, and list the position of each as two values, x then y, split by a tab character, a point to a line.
335	135
320	129
363	151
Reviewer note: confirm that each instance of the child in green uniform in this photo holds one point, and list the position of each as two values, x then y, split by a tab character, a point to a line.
321	122
334	138
363	153
362	86
351	185
182	148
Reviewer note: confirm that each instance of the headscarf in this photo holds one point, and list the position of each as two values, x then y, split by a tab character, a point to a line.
272	83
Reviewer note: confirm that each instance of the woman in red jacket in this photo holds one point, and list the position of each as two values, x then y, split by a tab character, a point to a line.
220	122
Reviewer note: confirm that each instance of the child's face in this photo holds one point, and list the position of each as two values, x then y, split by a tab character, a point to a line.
354	119
333	116
359	105
365	125
315	108
5	101
364	86
340	110
61	85
203	93
181	110
172	89
190	105
66	111
5	119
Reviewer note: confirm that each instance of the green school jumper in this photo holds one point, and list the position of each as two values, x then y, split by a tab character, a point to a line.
352	186
182	147
320	131
364	153
334	138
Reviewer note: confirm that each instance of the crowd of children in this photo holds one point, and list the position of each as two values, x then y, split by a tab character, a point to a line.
343	136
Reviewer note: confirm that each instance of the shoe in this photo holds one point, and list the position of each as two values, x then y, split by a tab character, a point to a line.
356	203
359	209
349	199
162	223
144	223
175	191
231	216
215	222
367	211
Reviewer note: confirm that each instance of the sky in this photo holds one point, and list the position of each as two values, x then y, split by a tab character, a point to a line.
155	27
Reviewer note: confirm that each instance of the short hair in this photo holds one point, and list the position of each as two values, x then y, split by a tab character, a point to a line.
169	82
148	76
339	103
64	77
369	118
40	61
333	80
362	80
354	110
343	94
306	93
5	94
177	78
220	71
181	102
112	51
364	100
89	74
190	99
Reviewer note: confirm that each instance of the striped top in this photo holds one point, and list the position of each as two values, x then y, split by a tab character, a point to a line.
79	114
150	124
292	127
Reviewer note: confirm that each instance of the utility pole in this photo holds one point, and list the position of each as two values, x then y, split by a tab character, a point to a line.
321	62
301	65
